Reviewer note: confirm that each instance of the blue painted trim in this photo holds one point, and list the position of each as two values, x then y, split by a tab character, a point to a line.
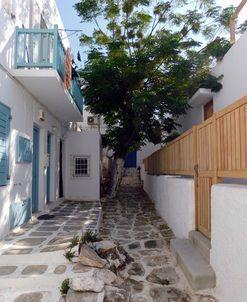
5	116
23	150
35	170
48	176
19	212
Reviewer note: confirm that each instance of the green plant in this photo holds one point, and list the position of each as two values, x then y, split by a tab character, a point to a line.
89	236
69	254
74	242
64	287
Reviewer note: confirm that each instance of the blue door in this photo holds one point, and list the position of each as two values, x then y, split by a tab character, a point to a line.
35	180
130	161
48	176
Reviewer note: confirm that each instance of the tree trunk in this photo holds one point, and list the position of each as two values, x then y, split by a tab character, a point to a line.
116	175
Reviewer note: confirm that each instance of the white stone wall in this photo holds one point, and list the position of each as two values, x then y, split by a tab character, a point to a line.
174	199
229	241
86	143
25	108
234	69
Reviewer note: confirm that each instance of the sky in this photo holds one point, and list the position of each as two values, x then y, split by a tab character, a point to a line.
72	21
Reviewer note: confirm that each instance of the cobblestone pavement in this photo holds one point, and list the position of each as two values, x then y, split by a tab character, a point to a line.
131	220
70	218
32	262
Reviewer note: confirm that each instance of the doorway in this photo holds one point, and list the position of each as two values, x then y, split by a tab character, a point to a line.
61	169
48	171
35	170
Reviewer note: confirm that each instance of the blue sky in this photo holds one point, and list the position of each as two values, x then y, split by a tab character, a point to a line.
72	21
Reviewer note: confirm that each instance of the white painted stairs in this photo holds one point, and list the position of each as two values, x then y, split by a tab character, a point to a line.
192	255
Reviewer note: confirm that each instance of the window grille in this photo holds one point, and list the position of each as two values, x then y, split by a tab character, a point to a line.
80	166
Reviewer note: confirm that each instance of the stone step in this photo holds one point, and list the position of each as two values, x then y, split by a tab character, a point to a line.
198	272
202	243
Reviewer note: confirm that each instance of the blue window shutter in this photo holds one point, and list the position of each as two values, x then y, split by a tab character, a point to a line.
4	143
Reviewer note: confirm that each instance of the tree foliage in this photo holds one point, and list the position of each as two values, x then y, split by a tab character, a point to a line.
145	59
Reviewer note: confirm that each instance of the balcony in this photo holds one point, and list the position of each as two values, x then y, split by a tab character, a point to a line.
43	67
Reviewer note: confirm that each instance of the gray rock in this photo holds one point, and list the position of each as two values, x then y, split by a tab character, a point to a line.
165	276
88	257
104	246
7	270
73	296
115	294
107	276
151	244
30	297
136	269
166	294
34	269
156	260
134	245
86	283
60	269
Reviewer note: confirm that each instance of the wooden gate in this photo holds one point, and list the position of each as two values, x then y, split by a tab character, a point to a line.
205	175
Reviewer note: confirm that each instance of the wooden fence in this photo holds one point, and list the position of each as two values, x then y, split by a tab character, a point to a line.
218	145
214	149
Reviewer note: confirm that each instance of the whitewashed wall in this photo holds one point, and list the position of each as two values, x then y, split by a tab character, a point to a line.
24	108
25	113
86	143
228	255
233	67
174	199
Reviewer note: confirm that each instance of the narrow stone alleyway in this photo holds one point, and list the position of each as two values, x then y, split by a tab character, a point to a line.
131	220
32	263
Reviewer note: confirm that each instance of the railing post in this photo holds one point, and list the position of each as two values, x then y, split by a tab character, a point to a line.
215	150
55	47
16	45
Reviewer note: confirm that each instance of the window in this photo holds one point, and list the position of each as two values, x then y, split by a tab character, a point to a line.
4	143
80	166
208	110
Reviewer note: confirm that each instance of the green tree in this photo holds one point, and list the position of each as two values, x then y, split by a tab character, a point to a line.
145	60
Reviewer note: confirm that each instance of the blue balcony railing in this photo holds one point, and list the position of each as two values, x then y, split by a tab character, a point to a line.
39	48
43	49
76	94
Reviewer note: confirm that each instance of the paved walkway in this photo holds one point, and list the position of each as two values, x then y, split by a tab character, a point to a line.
32	264
132	220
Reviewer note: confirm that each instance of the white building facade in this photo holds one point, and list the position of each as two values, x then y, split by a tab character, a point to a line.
38	103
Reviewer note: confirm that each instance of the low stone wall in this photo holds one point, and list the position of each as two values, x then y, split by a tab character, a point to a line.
228	255
174	199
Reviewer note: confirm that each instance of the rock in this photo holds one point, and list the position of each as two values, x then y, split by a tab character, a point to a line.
104	246
156	260
134	245
89	258
115	294
136	269
107	276
152	244
136	286
138	298
86	283
165	276
166	294
30	297
84	297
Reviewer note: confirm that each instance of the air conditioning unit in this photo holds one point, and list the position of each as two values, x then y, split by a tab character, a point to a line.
92	120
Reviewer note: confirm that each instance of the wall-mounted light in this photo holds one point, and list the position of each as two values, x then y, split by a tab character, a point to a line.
41	115
54	128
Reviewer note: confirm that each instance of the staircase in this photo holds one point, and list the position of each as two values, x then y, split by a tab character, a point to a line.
131	178
192	255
